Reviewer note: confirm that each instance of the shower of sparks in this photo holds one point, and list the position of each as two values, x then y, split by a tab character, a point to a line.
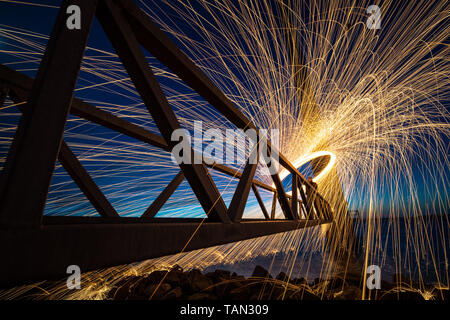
381	96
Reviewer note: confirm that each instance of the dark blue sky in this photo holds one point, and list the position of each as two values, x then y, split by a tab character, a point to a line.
40	20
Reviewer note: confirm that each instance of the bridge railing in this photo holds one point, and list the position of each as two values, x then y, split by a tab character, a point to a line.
17	87
42	247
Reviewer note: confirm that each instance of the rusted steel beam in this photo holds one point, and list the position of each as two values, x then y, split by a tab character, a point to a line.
157	204
3	95
318	207
100	245
13	79
29	167
282	199
84	181
63	220
304	200
260	202
110	121
294	199
274	205
130	53
240	197
323	205
315	201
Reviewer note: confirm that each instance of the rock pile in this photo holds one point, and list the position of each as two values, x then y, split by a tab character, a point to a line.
222	285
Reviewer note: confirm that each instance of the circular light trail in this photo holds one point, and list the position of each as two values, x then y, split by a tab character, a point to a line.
305	159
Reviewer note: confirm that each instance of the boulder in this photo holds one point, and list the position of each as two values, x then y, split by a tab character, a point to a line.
349	293
173	294
282	277
156	276
223	273
336	284
299	281
222	289
199	282
243	292
121	293
123	288
260	272
202	296
153	292
353	279
139	287
320	285
275	292
219	276
176	277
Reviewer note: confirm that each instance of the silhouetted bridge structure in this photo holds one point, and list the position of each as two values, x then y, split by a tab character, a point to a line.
34	246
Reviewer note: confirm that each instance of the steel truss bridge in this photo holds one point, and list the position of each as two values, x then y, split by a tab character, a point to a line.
34	246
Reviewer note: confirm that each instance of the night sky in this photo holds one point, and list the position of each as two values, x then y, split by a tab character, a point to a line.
40	20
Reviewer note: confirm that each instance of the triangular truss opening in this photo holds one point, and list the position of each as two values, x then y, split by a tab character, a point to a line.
67	197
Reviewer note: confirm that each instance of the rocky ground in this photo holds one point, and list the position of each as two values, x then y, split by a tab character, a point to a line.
222	285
